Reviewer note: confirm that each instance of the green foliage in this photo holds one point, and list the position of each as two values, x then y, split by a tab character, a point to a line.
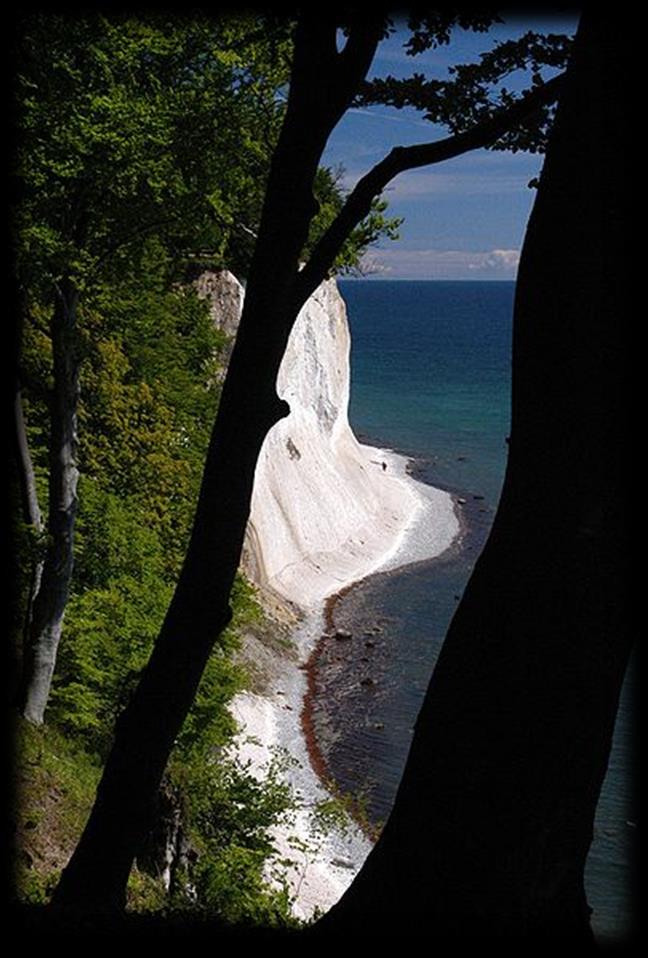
122	591
35	887
232	885
148	398
128	125
111	624
145	894
149	391
230	814
331	815
146	412
374	227
228	805
54	783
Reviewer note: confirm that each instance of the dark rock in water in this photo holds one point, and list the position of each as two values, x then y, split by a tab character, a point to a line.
367	681
461	458
342	635
477	497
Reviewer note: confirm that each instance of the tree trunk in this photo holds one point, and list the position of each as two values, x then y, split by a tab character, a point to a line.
322	85
26	479
50	599
493	820
30	507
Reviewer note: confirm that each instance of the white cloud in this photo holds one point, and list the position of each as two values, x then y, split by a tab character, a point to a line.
498	259
395	117
402	263
417	184
467	183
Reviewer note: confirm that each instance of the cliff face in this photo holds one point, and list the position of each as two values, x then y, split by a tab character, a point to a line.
224	295
325	509
323	505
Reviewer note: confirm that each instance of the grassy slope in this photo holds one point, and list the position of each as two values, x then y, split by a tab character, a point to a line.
54	788
55	780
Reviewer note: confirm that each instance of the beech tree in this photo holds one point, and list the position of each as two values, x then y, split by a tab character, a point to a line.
113	115
325	81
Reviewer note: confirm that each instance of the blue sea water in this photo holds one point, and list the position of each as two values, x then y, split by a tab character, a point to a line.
431	378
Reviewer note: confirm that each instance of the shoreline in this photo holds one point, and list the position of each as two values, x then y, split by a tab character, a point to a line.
403	464
323	871
316	757
399	520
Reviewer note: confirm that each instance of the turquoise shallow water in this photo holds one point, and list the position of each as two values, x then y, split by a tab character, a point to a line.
431	378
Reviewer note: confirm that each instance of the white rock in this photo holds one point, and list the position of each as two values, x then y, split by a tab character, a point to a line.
326	510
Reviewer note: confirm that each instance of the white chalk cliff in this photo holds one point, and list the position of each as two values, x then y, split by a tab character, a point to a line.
327	510
324	513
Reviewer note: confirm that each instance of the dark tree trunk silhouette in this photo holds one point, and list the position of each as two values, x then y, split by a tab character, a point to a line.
324	82
494	816
323	85
52	578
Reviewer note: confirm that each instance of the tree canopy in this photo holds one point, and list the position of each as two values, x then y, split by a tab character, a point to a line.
127	126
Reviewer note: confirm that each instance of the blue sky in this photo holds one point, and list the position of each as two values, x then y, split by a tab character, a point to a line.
465	218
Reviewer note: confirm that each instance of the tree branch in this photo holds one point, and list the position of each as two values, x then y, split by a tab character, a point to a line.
331	78
323	83
358	203
355	57
128	238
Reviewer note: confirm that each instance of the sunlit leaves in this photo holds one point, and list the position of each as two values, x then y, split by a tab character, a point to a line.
126	125
377	225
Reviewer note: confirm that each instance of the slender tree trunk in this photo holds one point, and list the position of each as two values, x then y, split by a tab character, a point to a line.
493	820
322	85
50	599
29	499
26	479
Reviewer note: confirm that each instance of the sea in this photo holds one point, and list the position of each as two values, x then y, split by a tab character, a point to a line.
430	378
